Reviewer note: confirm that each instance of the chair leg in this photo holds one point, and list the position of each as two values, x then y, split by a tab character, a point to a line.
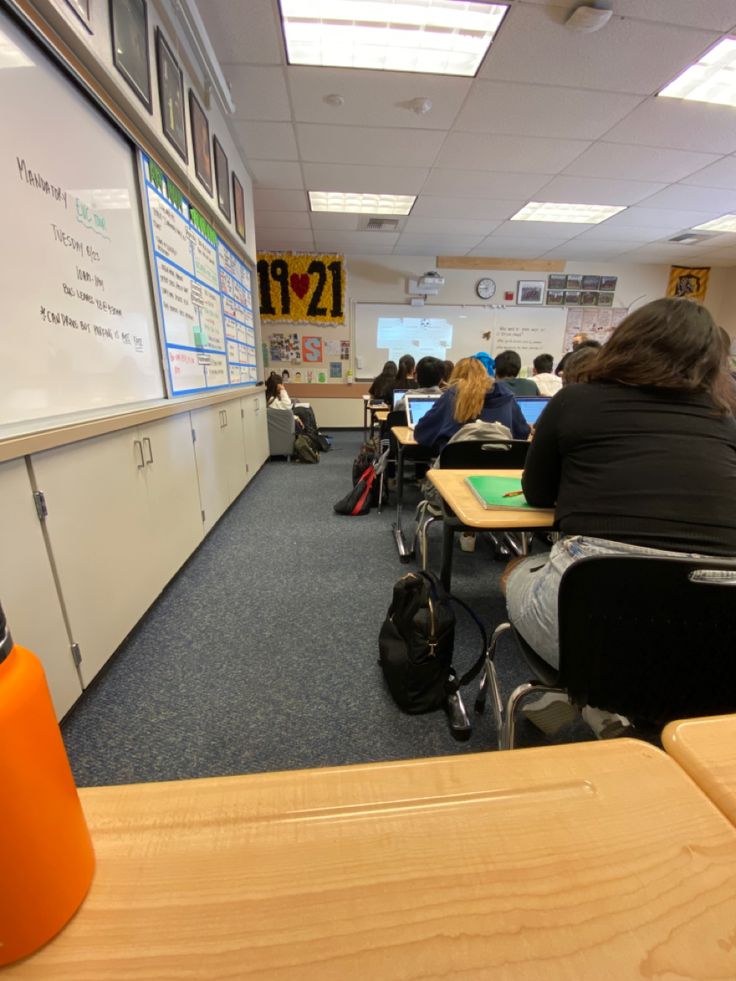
424	544
380	492
515	699
489	680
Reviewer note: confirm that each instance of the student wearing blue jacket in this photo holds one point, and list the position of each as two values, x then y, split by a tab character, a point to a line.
472	395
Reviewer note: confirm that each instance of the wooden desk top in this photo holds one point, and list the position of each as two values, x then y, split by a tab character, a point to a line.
451	485
706	749
381	414
584	861
404	435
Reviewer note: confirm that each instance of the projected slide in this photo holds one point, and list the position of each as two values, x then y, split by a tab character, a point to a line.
419	336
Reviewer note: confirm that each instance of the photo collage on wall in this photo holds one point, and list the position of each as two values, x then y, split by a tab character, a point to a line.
580	290
318	357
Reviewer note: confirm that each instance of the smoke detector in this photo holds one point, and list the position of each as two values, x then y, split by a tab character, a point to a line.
590	17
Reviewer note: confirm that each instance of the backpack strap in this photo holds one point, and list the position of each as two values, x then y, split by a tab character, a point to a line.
368	476
454	683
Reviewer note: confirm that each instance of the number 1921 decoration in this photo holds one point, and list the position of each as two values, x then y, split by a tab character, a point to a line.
306	289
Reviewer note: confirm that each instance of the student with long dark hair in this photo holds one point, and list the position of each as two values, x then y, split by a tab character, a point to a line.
641	459
388	373
405	379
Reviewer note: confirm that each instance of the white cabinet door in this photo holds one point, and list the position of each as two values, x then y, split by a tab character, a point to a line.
234	449
173	494
27	589
208	424
100	529
255	429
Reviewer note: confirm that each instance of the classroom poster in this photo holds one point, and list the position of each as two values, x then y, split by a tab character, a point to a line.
302	288
688	282
311	349
335	369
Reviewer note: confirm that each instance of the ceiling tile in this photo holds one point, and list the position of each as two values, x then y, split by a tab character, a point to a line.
714	201
282	219
508	153
590	190
717	15
581	251
239	35
267	236
491	248
542	110
357	145
375	98
560	230
720	174
626	56
451	226
276	173
479	184
646	217
368	180
455	208
620	161
428	249
267	141
605	232
265	199
258	93
433	244
680	124
356	243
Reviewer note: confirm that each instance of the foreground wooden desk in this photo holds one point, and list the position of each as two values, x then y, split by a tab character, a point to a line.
465	506
706	749
587	861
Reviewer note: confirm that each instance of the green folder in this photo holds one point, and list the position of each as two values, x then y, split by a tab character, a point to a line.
490	492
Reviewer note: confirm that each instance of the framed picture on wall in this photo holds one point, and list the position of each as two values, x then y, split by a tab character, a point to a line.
82	8
605	299
222	178
556	281
239	207
588	298
608	282
574	281
555	298
530	291
129	35
171	95
200	141
591	282
572	298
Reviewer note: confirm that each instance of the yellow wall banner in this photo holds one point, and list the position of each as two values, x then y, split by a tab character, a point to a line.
304	289
691	284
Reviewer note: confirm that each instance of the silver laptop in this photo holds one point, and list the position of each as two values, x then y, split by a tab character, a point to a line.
417	406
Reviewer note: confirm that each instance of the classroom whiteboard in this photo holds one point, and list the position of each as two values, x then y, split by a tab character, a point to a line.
78	329
386	331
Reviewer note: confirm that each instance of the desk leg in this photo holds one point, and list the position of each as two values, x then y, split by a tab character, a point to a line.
448	541
365	420
404	553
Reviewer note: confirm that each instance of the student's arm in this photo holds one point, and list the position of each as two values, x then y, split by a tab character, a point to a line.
430	427
519	426
282	399
541	477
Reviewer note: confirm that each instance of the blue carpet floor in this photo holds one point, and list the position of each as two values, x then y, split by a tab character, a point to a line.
261	654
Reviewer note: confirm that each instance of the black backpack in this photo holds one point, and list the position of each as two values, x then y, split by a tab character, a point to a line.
416	644
358	500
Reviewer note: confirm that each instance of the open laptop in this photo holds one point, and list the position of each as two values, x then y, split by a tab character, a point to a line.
399	393
417	406
532	408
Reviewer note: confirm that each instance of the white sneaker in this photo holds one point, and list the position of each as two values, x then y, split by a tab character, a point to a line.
605	725
550	713
467	542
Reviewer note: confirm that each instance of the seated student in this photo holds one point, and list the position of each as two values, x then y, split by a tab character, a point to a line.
388	373
640	460
404	379
547	382
276	394
449	366
472	395
578	341
577	364
508	366
429	375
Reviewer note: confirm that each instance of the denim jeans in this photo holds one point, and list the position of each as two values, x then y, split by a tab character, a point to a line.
532	588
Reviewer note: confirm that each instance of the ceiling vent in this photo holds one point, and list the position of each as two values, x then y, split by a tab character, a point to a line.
690	238
379	224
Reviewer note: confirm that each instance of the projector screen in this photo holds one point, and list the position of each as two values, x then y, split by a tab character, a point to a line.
384	332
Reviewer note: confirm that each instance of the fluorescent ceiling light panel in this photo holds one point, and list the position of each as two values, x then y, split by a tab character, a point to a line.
438	37
581	214
726	223
361	204
712	79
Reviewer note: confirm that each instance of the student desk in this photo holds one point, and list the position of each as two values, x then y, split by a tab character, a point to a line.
706	750
584	861
370	407
461	500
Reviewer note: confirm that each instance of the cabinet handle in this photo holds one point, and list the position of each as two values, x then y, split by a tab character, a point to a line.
137	442
222	422
150	451
224	415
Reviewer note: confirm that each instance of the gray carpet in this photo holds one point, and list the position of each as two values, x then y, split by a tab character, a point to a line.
261	654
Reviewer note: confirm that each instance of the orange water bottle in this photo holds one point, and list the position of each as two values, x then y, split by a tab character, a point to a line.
46	857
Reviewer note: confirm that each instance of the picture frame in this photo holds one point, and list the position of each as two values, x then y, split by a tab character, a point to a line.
83	10
589	298
129	37
591	282
556	281
222	178
572	298
555	298
171	96
200	126
608	283
530	292
605	299
239	207
573	281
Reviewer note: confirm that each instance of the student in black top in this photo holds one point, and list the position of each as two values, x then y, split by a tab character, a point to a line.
388	374
640	459
404	379
579	341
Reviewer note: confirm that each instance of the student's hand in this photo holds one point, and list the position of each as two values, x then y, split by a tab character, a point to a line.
299	422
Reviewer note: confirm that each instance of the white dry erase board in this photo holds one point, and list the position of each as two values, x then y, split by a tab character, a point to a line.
77	329
386	331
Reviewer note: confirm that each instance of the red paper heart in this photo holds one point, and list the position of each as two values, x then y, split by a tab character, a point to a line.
300	284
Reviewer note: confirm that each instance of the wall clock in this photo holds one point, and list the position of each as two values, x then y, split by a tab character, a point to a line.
485	288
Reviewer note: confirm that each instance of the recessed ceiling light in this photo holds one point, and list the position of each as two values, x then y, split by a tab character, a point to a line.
726	223
712	79
361	204
439	37
582	214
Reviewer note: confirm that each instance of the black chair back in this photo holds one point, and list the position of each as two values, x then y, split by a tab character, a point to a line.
395	418
653	639
484	454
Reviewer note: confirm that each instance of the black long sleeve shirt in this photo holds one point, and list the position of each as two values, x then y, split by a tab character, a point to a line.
647	466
